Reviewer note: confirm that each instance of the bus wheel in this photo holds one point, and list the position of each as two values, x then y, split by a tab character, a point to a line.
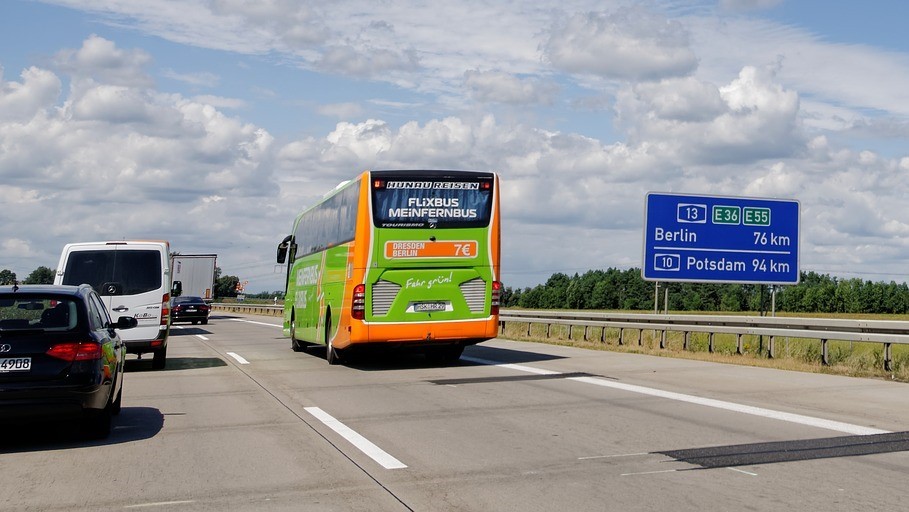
294	344
331	355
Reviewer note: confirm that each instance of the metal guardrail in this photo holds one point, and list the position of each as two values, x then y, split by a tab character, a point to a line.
249	309
886	332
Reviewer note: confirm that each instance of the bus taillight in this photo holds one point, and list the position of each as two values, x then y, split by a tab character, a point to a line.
495	298
358	302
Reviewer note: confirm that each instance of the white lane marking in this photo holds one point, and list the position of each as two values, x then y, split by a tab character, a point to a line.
238	357
737	470
254	322
518	367
838	426
203	338
641	454
360	442
650	472
160	504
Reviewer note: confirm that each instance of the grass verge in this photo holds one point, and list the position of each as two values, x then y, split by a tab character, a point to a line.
854	359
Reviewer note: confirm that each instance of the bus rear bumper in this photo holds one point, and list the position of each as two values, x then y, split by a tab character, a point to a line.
467	332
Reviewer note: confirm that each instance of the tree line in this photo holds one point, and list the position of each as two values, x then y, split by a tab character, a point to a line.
615	289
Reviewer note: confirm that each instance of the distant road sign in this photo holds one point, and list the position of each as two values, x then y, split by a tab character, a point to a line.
721	239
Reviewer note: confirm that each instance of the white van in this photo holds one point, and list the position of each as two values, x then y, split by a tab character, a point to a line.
133	278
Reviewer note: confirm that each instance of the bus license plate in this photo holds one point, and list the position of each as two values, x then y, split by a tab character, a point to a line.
426	307
15	364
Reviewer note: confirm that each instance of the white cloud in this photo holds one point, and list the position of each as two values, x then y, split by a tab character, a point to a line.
118	104
749	119
366	61
631	43
101	60
293	24
496	86
18	248
37	92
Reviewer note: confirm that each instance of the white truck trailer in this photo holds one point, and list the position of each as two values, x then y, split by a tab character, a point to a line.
197	274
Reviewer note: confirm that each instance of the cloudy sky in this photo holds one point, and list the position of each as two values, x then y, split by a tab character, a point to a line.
212	123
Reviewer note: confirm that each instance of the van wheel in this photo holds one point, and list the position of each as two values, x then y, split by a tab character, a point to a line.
331	355
159	359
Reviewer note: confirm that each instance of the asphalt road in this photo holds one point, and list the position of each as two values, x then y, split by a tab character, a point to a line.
238	421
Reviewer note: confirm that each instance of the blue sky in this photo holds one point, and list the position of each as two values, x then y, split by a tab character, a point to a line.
211	123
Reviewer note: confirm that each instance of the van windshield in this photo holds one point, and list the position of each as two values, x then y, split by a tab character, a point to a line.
115	272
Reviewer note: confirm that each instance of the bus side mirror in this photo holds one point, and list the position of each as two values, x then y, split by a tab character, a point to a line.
176	289
282	249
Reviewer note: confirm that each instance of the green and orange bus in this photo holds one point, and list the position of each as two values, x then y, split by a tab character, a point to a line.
396	258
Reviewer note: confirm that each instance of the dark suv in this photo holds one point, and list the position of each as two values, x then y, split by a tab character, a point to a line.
60	356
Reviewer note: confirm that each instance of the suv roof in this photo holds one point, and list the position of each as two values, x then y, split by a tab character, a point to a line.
56	289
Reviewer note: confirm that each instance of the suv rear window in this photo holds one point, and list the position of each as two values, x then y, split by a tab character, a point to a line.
115	272
33	311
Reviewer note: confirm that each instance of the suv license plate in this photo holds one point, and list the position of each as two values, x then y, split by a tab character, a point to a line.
15	364
425	307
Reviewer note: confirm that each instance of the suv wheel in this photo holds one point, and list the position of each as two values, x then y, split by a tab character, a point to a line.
117	405
96	423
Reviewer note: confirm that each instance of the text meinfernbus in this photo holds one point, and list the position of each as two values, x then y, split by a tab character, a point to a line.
400	258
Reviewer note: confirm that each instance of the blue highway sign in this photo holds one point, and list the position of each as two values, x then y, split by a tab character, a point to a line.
721	239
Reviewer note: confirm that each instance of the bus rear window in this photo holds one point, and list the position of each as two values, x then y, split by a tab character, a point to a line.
414	202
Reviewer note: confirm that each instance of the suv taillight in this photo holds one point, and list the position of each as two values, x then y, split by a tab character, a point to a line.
358	302
495	298
76	351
